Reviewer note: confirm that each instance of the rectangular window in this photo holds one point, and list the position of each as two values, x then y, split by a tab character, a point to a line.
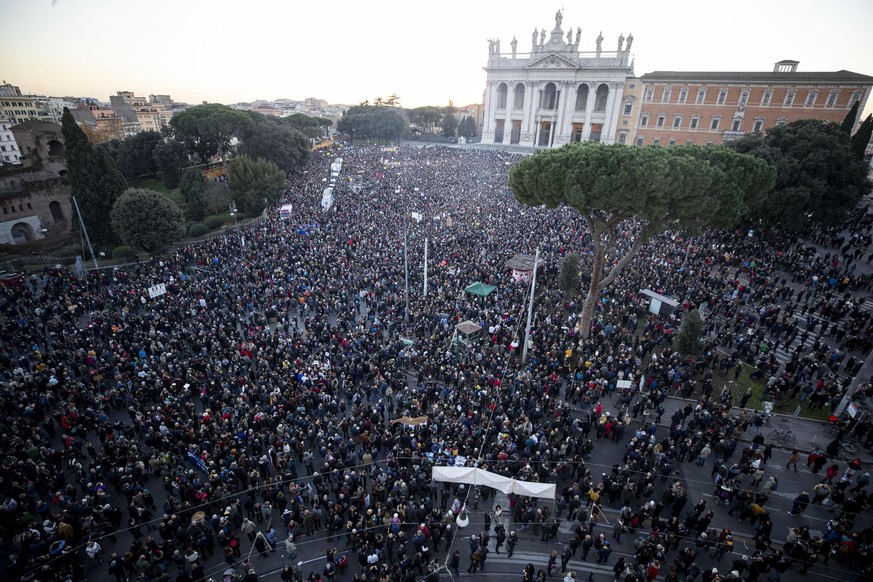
744	97
650	94
632	86
677	121
758	125
644	121
701	95
735	126
722	96
810	99
789	99
657	141
640	141
660	122
622	138
694	122
672	141
832	100
714	125
628	107
624	122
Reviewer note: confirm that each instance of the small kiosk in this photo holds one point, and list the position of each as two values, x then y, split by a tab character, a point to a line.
659	304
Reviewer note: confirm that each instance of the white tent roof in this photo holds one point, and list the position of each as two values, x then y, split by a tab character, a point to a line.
507	485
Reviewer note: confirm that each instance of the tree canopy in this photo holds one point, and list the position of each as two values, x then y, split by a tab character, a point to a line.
861	138
206	129
134	156
689	339
628	194
171	158
568	276
372	122
95	180
193	187
254	181
146	220
276	141
819	178
424	117
449	122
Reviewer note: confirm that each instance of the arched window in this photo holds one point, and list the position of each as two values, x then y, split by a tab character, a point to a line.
644	120
811	98
56	210
677	121
695	122
722	96
581	97
744	96
22	233
549	100
789	98
667	93
518	96
650	94
683	94
501	96
55	148
856	96
600	98
661	118
782	121
832	98
766	96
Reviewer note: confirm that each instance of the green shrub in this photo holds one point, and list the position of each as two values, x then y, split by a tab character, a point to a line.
123	252
198	229
69	251
213	222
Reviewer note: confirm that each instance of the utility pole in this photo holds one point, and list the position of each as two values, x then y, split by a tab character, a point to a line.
85	231
862	377
406	266
533	288
424	294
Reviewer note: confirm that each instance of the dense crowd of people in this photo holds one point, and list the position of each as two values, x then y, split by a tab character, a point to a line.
259	396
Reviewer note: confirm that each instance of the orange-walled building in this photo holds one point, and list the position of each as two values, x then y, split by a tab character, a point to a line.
713	107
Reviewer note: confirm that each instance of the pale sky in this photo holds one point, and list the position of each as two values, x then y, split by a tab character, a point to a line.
346	51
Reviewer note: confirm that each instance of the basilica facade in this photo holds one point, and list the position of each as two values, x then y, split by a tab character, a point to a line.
556	93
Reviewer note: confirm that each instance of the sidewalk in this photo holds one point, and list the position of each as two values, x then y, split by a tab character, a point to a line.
810	433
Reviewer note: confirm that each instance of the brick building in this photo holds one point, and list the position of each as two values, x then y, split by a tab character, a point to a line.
713	107
34	201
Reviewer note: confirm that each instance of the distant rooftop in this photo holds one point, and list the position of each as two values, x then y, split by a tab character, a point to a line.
842	76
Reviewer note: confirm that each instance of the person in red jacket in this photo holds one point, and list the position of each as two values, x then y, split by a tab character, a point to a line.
652	570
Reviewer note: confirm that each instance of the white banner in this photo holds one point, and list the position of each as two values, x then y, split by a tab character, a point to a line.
157	290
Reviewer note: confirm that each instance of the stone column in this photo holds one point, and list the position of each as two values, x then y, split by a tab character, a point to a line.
565	113
527	128
609	126
488	124
589	109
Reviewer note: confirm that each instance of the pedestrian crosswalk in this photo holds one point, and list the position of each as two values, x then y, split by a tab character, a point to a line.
784	354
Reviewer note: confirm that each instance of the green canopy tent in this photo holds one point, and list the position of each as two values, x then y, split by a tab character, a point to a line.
480	289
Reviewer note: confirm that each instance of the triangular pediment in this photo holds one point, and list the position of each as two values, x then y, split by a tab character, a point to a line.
553	61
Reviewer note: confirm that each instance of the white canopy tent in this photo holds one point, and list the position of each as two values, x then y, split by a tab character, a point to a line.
473	476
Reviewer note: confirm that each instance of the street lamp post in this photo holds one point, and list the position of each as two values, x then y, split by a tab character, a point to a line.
233	213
